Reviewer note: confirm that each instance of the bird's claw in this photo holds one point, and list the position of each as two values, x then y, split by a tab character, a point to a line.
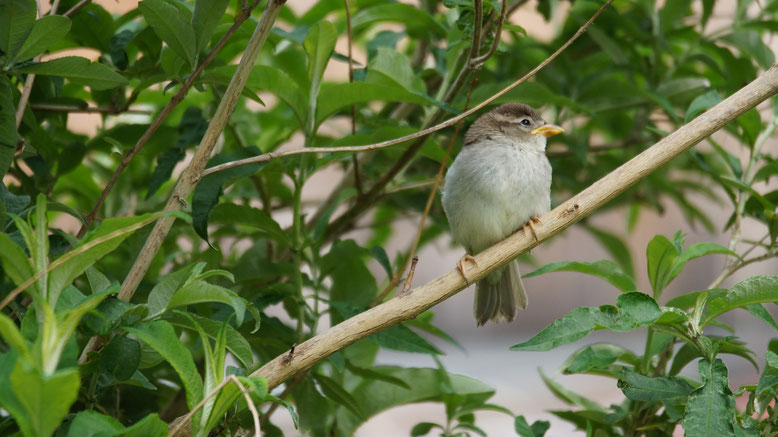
461	266
531	226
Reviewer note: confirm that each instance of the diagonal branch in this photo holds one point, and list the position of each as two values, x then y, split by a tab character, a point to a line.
174	101
420	299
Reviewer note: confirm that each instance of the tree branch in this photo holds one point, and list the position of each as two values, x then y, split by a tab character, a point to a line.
422	133
174	101
420	299
191	175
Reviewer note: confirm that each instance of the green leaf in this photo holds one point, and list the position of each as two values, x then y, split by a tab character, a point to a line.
265	77
206	15
171	27
639	387
16	263
754	290
79	71
94	424
569	396
319	45
256	383
661	256
335	392
702	103
199	291
149	426
161	337
235	342
617	249
9	138
594	357
423	428
206	194
417	20
750	41
426	385
369	374
235	214
10	333
523	429
710	410
605	269
117	229
335	97
402	338
45	32
121	357
17	17
46	400
634	310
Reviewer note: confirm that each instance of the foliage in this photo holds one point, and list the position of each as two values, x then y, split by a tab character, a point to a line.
250	270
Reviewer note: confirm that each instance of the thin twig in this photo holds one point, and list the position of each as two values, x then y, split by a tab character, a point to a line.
435	184
182	421
77	8
354	159
166	111
478	61
731	269
409	279
250	403
478	17
424	132
87	109
192	174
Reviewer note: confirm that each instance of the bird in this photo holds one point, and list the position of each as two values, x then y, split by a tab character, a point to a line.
499	183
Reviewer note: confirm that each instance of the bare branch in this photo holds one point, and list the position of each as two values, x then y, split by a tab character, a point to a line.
77	8
166	111
420	299
424	132
87	109
476	62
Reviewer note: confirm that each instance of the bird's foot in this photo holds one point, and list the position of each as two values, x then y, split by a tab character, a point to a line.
461	266
530	224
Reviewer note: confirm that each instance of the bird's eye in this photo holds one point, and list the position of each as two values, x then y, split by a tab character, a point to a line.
525	122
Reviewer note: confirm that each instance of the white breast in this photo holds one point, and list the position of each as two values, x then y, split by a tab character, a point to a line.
492	189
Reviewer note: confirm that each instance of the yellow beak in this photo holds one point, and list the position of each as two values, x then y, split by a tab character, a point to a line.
548	130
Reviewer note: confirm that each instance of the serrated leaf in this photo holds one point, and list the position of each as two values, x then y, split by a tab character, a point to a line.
45	32
754	290
605	269
171	27
634	310
17	18
79	71
710	410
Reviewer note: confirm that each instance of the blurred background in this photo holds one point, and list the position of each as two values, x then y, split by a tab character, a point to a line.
516	374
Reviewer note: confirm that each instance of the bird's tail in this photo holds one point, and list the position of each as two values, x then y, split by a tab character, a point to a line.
498	296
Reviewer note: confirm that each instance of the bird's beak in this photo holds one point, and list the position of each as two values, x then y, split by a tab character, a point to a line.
548	130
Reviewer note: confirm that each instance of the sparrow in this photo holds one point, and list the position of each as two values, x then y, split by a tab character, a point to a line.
500	182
